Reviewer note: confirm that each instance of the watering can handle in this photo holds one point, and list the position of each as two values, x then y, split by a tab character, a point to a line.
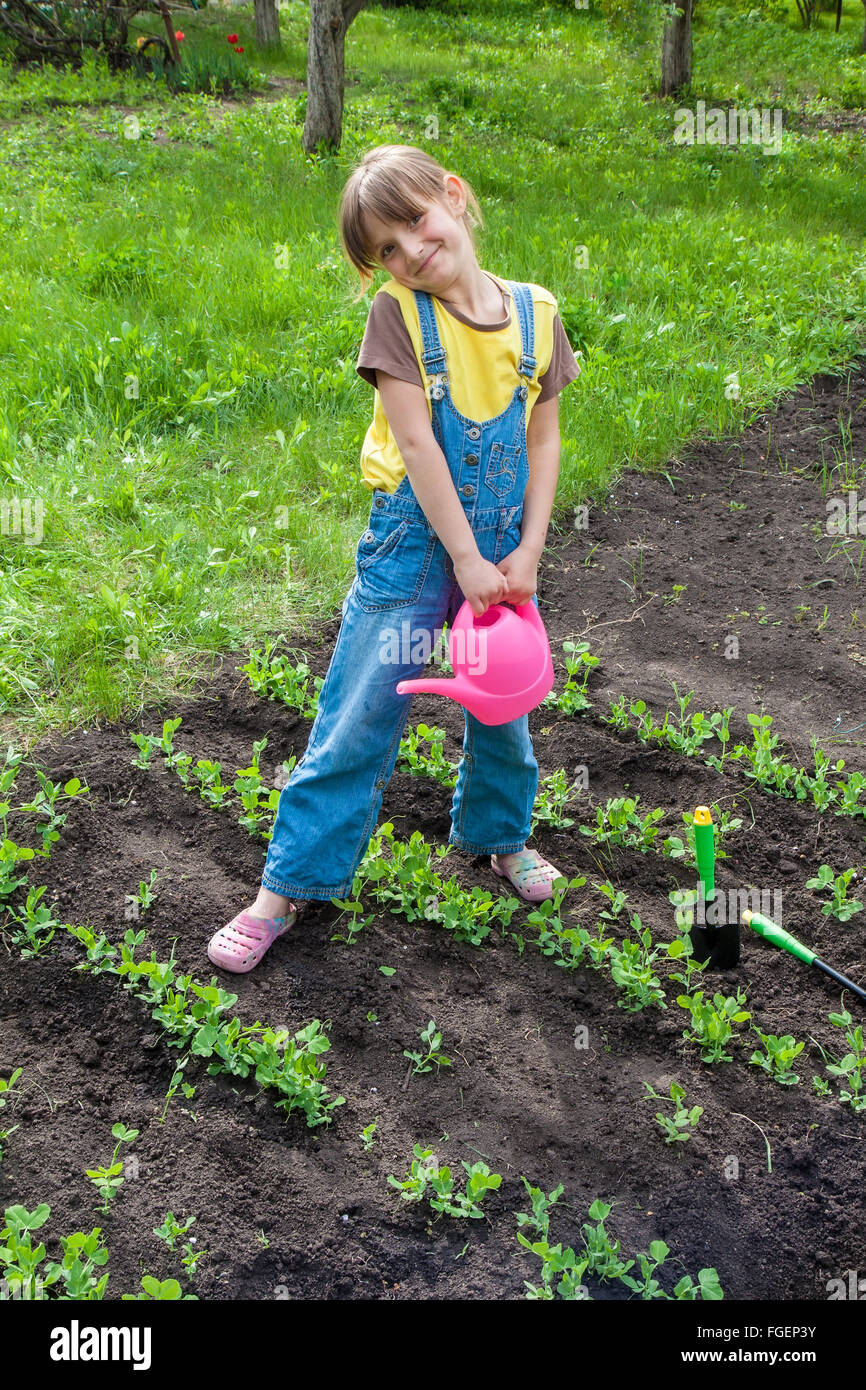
529	610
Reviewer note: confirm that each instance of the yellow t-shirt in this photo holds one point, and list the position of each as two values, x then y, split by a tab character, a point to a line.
482	361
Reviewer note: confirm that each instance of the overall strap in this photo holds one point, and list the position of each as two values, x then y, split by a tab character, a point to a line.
526	314
432	351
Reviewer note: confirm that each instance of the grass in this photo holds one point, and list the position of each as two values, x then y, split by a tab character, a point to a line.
179	332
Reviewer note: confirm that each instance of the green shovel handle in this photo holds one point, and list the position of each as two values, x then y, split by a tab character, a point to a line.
775	934
705	851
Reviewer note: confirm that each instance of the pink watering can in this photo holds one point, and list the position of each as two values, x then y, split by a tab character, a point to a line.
502	663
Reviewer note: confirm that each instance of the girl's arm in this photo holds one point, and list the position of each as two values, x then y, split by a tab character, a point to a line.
405	405
406	408
543	446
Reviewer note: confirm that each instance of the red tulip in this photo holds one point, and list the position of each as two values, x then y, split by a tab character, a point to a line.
231	38
179	35
239	50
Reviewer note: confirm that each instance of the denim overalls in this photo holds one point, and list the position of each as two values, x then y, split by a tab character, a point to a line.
404	588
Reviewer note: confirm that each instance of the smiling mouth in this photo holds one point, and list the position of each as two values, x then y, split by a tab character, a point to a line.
427	262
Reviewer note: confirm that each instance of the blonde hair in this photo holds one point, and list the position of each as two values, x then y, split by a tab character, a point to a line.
393	182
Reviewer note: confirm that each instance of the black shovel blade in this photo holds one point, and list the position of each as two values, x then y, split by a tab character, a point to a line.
718	946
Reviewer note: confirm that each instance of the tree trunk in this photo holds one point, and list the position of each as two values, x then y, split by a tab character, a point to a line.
677	50
863	44
267	24
329	20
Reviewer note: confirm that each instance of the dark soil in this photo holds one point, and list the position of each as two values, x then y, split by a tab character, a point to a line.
519	1093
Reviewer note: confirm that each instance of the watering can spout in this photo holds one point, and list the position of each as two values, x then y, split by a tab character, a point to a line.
502	663
435	685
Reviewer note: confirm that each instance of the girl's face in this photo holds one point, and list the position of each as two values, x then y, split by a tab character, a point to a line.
429	250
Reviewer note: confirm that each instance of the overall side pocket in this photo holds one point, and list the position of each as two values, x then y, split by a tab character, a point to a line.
392	569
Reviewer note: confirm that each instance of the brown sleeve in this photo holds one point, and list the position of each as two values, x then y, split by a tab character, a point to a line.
563	366
386	343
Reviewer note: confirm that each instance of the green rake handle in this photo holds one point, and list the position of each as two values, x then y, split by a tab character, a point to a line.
775	934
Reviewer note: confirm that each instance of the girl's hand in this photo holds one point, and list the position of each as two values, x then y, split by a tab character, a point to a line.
520	569
481	583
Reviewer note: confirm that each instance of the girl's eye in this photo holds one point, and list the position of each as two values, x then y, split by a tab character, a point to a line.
386	250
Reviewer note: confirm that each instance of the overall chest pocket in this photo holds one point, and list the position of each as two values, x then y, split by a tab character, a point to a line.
502	467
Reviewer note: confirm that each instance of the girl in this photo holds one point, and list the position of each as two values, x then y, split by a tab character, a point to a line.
462	457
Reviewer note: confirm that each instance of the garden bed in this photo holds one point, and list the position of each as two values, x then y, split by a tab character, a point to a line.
768	1190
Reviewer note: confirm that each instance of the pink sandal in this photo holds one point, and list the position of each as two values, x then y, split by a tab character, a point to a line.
531	875
240	945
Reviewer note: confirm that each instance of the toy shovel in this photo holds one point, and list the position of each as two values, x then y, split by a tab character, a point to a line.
714	939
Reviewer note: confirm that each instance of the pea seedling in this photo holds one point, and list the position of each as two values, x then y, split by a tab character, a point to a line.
279	680
777	1059
43	806
565	944
711	1022
107	1179
366	1135
850	1067
675	848
602	1253
7	1090
554	794
681	947
147	746
617	823
425	1172
357	921
601	1257
555	1260
840	905
414	760
212	789
479	1181
157	1290
678	1127
631	969
190	1258
539	1220
433	1041
171	1229
37	924
177	1080
676	595
648	1287
145	895
258	801
617	899
579	664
